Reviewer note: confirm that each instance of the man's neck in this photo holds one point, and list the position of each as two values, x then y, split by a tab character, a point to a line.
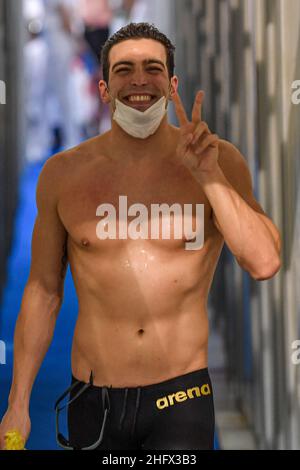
124	147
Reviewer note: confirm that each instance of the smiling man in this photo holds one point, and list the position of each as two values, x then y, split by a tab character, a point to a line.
139	356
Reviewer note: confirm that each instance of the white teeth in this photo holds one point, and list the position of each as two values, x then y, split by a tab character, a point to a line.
140	98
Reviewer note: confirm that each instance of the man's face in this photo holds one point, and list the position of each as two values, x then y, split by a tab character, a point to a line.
138	74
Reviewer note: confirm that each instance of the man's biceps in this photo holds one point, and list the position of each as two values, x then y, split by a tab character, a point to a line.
49	250
48	270
49	223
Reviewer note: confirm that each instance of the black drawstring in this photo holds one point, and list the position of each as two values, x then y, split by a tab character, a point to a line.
61	440
124	409
138	397
91	378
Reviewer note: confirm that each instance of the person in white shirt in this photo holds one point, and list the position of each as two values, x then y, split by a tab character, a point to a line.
60	16
35	73
96	16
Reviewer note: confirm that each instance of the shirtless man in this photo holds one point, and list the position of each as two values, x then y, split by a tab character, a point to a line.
139	357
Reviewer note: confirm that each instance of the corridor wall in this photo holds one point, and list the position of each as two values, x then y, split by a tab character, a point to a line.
245	55
11	121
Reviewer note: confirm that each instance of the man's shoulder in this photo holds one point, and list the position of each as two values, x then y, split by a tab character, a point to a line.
229	152
234	165
60	167
74	156
230	157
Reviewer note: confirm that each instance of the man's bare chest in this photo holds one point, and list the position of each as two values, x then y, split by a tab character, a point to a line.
119	202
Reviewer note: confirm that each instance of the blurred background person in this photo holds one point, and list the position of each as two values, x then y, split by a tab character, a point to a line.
60	32
35	77
121	12
127	11
96	16
138	10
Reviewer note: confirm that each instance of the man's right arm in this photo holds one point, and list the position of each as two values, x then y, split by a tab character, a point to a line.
42	297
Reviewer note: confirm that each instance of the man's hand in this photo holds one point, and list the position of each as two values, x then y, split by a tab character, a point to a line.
198	147
15	419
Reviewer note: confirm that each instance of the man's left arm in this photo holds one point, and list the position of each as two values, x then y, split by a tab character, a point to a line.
222	172
250	235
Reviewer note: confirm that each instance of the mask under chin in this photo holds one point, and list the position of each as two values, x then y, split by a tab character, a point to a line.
140	124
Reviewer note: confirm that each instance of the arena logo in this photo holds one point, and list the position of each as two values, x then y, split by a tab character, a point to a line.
181	396
2	353
173	216
295	357
2	92
296	94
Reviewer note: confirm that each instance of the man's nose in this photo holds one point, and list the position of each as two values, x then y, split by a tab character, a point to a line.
139	78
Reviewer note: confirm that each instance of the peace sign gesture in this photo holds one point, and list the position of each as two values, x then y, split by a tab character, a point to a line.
197	147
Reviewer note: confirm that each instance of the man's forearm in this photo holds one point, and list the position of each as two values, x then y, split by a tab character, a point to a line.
33	335
250	236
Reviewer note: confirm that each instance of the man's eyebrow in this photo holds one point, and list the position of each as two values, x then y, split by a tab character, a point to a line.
121	62
147	61
154	61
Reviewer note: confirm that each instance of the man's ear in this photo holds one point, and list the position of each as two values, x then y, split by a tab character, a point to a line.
173	86
104	92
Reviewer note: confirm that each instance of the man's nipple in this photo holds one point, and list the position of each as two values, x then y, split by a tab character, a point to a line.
85	242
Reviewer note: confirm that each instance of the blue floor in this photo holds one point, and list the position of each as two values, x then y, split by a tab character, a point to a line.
55	373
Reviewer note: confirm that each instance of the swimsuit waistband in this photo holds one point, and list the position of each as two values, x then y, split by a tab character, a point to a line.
197	374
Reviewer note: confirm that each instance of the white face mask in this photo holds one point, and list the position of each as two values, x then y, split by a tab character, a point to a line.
137	123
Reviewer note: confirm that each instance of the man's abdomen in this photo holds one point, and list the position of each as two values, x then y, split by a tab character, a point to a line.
123	352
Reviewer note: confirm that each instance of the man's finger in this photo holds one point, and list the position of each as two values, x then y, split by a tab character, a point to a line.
197	108
211	139
183	145
179	109
201	129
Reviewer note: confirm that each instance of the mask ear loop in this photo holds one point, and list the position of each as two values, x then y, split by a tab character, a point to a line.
111	97
107	89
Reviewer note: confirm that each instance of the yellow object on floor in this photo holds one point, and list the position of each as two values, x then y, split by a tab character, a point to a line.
14	441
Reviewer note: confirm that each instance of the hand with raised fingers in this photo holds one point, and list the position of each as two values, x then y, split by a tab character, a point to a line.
197	147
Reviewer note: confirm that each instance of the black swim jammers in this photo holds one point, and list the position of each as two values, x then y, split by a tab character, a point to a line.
174	414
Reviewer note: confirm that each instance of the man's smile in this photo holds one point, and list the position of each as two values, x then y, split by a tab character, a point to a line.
140	101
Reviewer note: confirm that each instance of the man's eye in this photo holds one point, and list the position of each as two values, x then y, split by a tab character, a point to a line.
122	70
155	69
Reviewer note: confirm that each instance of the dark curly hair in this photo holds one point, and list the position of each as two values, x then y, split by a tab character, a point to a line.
137	31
